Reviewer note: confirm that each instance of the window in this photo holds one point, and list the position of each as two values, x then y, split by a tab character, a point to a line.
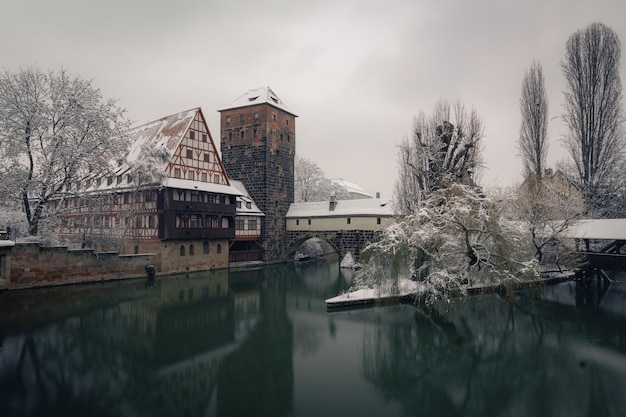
109	180
203	177
136	249
192	134
216	179
182	250
149	196
206	157
177	173
98	182
129	179
286	122
242	118
238	204
189	154
127	198
256	115
378	220
138	222
239	224
297	222
227	119
204	138
119	179
205	247
348	220
254	133
309	221
219	248
248	205
251	224
273	116
151	222
190	254
191	175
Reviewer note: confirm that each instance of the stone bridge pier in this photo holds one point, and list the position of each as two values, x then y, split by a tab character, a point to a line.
342	241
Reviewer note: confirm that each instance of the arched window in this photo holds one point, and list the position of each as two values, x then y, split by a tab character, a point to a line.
190	250
205	247
182	250
219	248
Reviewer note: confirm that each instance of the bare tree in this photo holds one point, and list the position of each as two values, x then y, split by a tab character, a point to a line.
593	111
56	130
533	144
310	183
444	148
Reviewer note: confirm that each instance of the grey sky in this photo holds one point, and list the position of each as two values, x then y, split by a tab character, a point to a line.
356	72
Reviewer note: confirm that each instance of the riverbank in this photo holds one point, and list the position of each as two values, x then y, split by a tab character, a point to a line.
408	291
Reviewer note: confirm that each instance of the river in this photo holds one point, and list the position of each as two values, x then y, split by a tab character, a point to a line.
261	343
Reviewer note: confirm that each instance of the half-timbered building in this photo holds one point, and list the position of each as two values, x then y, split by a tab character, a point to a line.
170	195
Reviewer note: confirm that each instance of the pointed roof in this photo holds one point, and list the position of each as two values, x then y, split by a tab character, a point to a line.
263	95
166	132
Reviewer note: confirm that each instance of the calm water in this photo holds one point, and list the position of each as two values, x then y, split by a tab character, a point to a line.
260	343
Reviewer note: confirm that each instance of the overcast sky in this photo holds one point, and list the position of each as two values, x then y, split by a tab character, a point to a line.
356	72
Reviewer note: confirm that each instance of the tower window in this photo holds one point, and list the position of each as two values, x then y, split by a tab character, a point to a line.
273	116
256	115
242	118
286	122
227	119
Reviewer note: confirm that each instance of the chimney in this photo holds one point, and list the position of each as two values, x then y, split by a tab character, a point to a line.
378	195
333	202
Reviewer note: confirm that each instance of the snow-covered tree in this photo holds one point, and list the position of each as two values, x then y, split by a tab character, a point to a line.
444	148
310	183
593	112
533	143
547	206
56	131
457	237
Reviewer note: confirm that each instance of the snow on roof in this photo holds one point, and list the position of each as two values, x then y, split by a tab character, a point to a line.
211	187
605	229
166	132
351	187
361	207
245	198
263	95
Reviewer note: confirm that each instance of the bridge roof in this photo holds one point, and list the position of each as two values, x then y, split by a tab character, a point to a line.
357	207
602	229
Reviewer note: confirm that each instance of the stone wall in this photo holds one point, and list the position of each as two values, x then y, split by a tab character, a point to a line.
35	266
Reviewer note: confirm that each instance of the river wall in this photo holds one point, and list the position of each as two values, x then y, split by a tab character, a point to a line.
32	265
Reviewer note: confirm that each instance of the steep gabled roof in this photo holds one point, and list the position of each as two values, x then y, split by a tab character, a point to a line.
166	132
263	95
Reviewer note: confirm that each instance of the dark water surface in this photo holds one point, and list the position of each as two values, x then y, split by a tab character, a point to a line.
260	343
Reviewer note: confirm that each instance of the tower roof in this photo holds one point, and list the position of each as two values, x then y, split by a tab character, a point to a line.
263	95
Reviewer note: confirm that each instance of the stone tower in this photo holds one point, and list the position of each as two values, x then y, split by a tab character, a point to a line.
258	144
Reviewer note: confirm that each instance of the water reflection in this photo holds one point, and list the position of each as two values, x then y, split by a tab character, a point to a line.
260	342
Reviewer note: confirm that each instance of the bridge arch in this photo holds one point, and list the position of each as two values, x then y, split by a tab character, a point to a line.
353	241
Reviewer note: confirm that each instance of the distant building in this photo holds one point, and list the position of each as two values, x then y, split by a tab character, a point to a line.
258	143
354	190
187	211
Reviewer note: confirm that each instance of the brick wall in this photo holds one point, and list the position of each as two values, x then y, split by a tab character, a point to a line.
35	266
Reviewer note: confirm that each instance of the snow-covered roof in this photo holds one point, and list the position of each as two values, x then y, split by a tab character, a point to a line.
351	187
166	132
362	207
211	187
244	197
604	229
263	95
